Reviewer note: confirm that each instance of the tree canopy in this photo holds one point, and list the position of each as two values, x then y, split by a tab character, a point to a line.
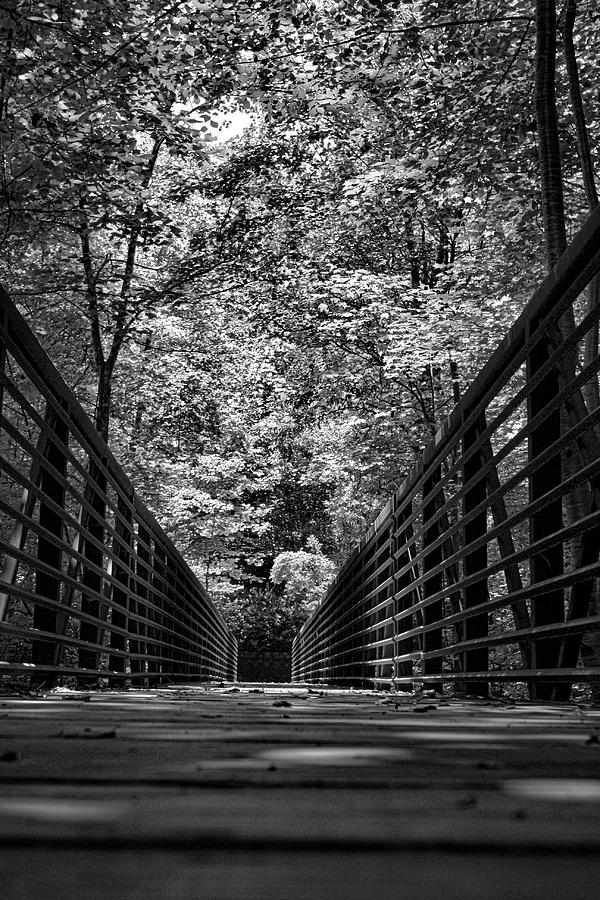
270	243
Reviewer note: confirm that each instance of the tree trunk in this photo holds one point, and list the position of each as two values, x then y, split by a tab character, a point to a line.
141	405
454	377
103	405
549	564
106	361
584	595
583	141
590	390
411	246
547	131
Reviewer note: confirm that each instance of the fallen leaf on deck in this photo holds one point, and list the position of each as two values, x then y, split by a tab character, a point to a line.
88	735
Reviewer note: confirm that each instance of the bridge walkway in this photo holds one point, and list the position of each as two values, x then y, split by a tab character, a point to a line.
262	791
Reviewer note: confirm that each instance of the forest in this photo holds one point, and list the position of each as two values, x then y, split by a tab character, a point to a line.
269	243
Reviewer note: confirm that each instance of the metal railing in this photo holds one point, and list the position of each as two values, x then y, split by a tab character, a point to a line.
90	585
483	568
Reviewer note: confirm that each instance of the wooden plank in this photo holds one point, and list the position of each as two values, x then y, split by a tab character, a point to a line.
221	874
161	793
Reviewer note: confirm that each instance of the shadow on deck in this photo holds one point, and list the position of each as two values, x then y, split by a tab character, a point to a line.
258	791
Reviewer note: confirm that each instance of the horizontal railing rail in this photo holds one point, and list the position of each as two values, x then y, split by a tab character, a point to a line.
91	587
483	567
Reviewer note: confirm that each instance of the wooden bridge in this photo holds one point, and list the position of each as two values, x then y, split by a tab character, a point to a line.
133	765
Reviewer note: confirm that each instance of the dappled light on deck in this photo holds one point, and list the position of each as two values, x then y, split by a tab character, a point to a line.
252	776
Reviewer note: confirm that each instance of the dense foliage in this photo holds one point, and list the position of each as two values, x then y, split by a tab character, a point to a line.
270	243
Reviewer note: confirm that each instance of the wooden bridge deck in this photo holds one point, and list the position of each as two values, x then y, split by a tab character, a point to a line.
285	792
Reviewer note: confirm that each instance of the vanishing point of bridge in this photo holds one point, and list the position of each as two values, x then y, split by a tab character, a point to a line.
396	762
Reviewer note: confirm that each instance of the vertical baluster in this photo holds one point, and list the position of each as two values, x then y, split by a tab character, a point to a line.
2	356
183	626
10	564
120	595
369	587
475	561
175	668
46	584
164	638
93	531
403	598
234	657
143	574
153	648
549	563
387	632
432	640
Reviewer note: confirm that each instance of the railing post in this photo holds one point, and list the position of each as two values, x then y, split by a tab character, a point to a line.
401	604
176	652
548	563
389	630
432	640
93	527
358	652
184	644
476	660
165	641
152	631
44	652
10	565
233	663
141	591
120	595
3	580
2	356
